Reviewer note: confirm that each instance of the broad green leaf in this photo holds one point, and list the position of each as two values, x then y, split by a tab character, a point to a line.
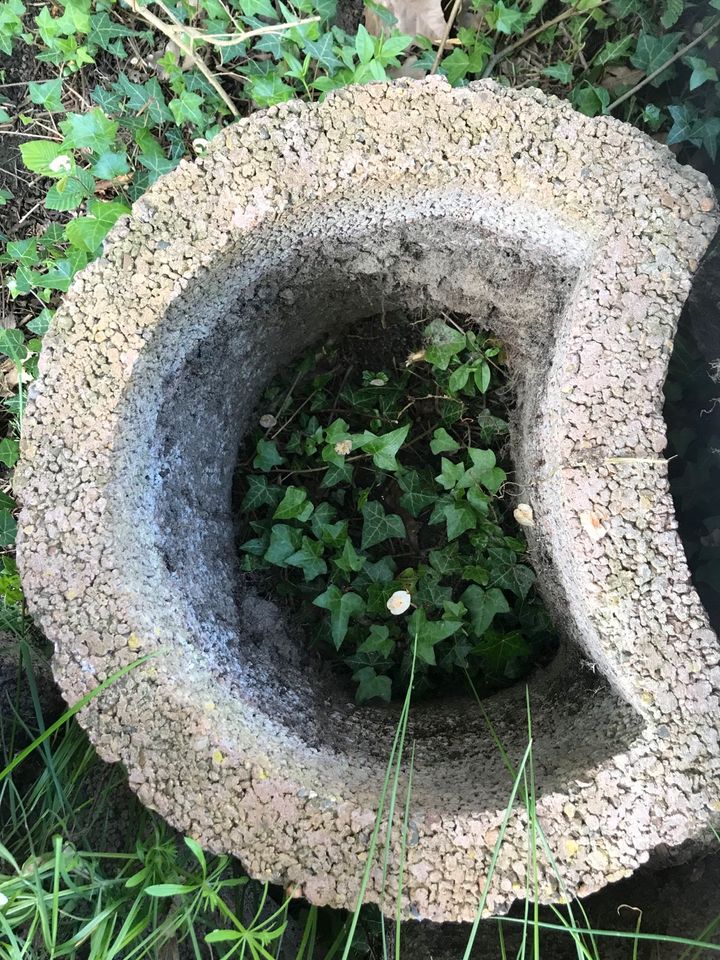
322	51
341	607
8	528
267	456
187	108
379	641
110	164
672	13
418	491
562	72
506	20
702	72
37	156
308	558
442	442
364	45
383	448
258	493
451	474
294	505
429	633
47	94
590	100
459	517
12	344
371	686
349	560
91	129
379	526
40	324
651	52
445	342
103	31
284	542
499	650
614	50
267	91
69	191
9	452
88	232
483	605
507	573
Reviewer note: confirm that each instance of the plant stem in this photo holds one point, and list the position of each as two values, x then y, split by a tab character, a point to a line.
656	73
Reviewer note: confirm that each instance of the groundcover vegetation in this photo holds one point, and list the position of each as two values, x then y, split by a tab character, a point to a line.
98	99
375	497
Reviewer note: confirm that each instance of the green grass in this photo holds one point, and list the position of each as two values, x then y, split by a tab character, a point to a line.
147	888
86	871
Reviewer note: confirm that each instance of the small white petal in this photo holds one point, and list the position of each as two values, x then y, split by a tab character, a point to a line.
377	382
63	162
343	447
523	514
399	602
267	420
3	900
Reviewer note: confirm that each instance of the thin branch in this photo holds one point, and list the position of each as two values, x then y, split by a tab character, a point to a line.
656	73
531	34
185	37
443	43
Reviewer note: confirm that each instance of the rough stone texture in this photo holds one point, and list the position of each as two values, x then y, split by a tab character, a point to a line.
575	240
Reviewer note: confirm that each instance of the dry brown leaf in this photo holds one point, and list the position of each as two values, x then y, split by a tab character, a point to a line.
424	17
523	514
621	76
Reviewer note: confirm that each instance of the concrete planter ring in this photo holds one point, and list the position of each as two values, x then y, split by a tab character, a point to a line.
574	240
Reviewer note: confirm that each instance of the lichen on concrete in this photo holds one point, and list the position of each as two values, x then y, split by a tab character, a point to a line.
575	240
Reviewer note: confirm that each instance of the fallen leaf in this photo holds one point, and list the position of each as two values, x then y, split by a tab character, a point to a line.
592	525
424	17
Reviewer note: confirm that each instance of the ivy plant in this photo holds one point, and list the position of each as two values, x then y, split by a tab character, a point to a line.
376	504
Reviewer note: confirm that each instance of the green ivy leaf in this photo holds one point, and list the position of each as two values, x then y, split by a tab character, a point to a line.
384	448
37	156
442	442
47	94
451	474
88	232
371	686
269	90
284	542
110	164
483	605
12	344
506	19
308	558
92	130
341	607
507	573
186	108
701	72
267	456
429	633
562	72
459	517
379	526
8	528
40	324
68	192
103	31
9	452
349	560
499	650
445	343
418	491
258	493
294	505
653	52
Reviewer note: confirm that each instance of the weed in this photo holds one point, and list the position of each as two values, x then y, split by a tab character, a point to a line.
391	521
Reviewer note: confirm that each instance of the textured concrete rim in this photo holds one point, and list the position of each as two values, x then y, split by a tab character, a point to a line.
401	191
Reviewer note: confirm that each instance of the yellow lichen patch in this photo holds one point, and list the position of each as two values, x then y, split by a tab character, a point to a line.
218	756
571	848
134	641
208	706
647	697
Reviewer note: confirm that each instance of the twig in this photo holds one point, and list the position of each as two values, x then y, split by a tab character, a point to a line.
656	73
185	36
443	43
527	37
